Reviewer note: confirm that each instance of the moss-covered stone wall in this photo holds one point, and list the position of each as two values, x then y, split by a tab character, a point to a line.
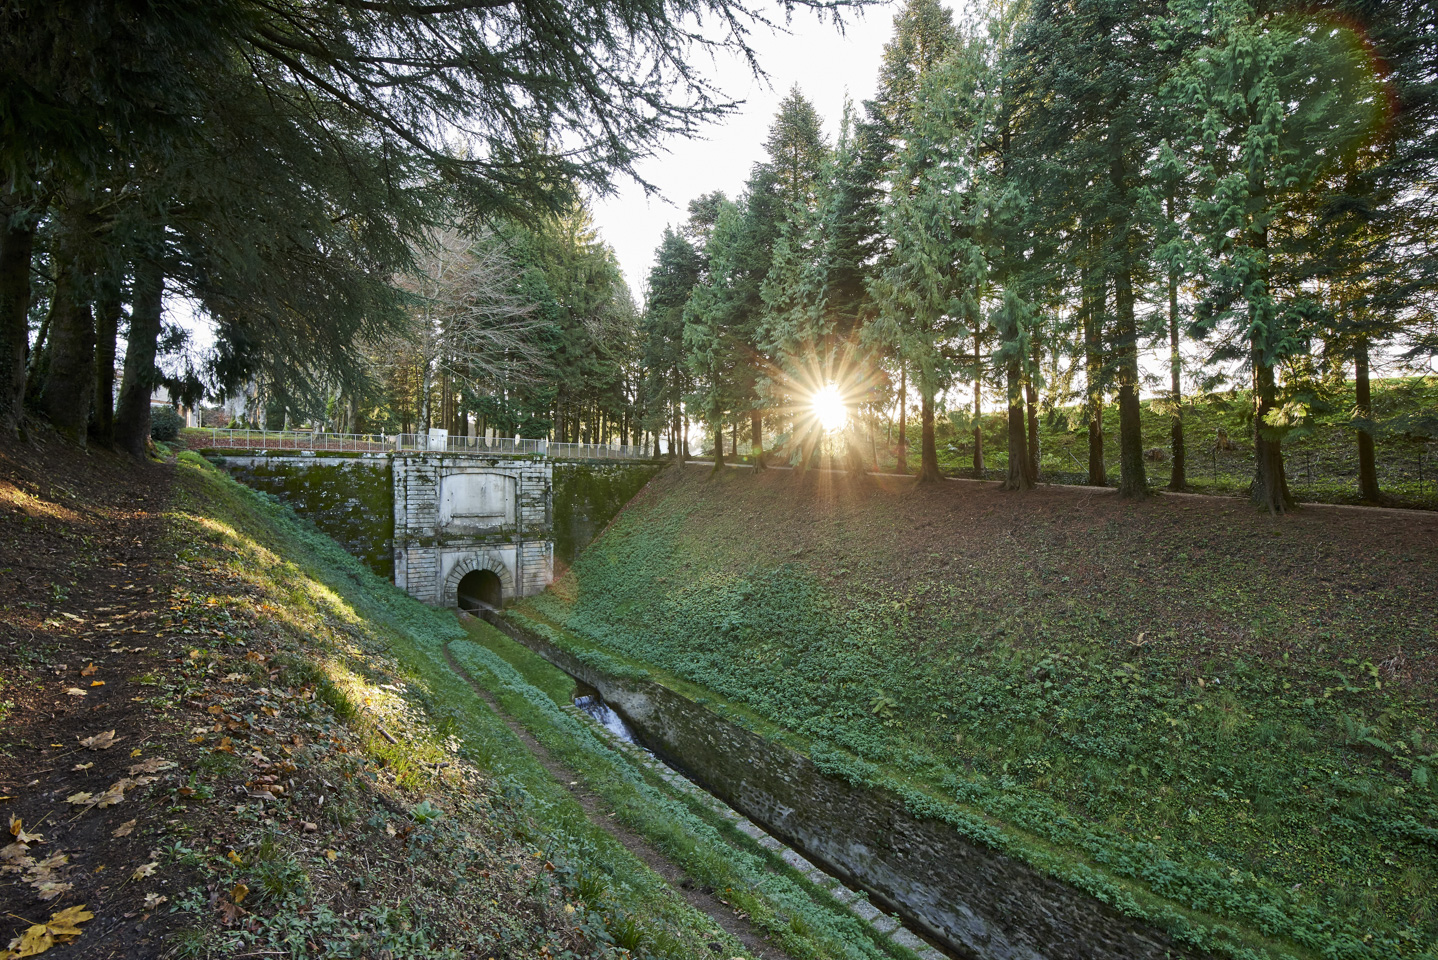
349	498
587	496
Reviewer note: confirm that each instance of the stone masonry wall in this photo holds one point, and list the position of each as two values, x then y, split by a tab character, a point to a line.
348	498
974	900
587	495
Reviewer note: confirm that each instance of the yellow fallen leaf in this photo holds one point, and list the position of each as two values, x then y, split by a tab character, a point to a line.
67	922
332	855
239	893
41	936
80	798
124	829
17	830
233	857
134	753
145	870
89	671
97	683
33	942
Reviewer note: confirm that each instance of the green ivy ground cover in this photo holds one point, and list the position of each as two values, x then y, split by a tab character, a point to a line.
1231	713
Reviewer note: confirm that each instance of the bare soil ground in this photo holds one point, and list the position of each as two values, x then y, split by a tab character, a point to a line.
84	604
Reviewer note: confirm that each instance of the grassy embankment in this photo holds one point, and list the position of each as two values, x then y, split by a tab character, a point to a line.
483	804
1322	461
1217	720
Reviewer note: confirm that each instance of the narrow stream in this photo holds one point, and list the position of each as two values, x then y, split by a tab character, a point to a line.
588	699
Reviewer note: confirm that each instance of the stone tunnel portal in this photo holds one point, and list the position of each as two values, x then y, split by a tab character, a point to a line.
480	588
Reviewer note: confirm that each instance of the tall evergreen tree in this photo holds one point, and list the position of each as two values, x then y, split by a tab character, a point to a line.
1276	110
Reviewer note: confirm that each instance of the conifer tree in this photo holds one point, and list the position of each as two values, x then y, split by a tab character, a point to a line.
1276	109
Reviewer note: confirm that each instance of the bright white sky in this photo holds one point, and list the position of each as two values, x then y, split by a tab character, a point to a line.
824	63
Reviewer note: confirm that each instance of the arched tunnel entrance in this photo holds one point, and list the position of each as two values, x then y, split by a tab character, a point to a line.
480	588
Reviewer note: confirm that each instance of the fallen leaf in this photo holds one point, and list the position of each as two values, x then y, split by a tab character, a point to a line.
17	830
134	753
83	766
224	746
114	794
124	829
332	855
41	936
145	870
153	900
231	912
51	889
80	798
67	922
100	741
32	942
97	683
152	765
90	671
75	691
239	893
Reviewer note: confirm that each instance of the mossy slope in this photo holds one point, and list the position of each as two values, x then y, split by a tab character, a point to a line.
1231	712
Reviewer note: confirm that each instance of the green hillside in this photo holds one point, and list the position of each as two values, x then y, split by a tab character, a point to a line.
1222	721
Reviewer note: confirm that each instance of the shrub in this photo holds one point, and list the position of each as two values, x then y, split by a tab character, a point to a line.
165	422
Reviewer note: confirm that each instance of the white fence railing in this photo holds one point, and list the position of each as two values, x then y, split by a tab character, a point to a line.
434	442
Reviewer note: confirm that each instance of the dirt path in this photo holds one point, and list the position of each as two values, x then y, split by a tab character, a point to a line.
598	812
83	626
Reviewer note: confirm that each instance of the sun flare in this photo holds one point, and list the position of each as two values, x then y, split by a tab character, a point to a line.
830	409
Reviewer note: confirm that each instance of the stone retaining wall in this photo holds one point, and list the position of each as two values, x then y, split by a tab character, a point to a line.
348	498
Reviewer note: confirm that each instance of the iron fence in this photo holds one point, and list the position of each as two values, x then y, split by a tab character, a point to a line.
307	440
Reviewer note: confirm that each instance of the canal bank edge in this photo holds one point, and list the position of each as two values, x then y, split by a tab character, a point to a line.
974	900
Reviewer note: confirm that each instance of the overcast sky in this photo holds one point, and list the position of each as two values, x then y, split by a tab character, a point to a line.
815	55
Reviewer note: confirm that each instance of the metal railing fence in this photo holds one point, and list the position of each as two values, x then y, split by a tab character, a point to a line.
307	440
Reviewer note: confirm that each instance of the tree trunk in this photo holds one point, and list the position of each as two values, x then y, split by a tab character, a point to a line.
132	412
978	406
903	454
1270	485
1178	480
1031	397
107	328
17	246
70	380
1367	462
1020	477
756	438
1133	483
1093	373
928	448
718	439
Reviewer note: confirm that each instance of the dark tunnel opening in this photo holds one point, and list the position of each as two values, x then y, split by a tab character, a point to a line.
480	588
